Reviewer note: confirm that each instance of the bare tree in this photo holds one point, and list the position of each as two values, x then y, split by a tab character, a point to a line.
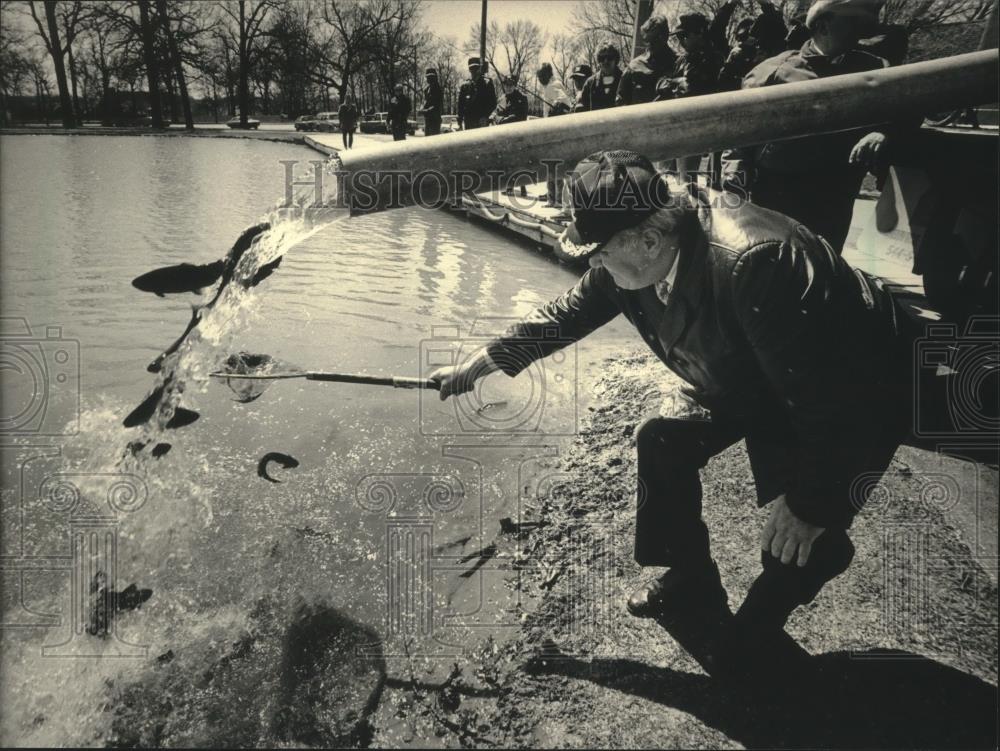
923	14
249	17
58	44
609	21
166	26
519	44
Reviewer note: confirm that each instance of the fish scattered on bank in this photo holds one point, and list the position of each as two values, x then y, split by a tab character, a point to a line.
286	461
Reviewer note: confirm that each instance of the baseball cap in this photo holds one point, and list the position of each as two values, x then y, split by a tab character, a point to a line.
473	61
865	11
431	72
608	192
691	22
582	71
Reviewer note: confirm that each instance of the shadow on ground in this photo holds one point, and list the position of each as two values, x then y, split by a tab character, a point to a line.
872	699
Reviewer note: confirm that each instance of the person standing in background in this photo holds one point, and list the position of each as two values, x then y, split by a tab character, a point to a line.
433	103
764	38
477	98
695	73
348	116
599	91
581	74
638	83
555	101
814	180
513	107
399	113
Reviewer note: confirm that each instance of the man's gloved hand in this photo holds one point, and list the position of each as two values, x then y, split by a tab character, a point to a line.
786	536
867	149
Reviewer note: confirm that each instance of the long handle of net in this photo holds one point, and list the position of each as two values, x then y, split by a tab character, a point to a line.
398	382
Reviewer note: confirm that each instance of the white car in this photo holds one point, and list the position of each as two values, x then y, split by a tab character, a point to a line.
449	123
327	122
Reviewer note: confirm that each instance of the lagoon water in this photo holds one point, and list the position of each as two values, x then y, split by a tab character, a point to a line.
395	491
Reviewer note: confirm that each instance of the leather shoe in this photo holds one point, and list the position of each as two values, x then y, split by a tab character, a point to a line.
672	594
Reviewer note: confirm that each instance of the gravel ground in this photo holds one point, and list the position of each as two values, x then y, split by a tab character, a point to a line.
905	642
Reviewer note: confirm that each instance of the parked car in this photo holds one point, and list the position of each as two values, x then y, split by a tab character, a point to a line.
327	122
379	123
449	124
305	122
252	124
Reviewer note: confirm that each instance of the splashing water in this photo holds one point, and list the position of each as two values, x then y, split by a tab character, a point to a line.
37	691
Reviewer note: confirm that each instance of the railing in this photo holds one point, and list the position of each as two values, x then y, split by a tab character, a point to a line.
376	180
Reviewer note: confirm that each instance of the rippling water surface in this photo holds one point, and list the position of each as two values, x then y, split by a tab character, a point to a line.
389	294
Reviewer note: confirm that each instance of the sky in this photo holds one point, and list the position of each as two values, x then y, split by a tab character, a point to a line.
454	18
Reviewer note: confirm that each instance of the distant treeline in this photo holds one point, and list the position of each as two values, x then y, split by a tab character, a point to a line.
76	60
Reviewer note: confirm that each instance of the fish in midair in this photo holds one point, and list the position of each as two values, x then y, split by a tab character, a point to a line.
185	277
189	277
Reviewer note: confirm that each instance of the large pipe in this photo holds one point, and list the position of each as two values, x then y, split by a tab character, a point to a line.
395	173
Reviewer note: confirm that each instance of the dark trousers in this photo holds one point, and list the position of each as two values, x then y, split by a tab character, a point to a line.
669	527
399	133
432	126
824	203
347	134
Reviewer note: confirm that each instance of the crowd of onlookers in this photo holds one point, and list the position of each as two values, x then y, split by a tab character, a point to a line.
813	179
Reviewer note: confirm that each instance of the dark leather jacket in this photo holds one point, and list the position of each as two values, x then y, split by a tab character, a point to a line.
596	95
513	108
638	84
477	98
694	74
826	155
399	111
768	326
433	97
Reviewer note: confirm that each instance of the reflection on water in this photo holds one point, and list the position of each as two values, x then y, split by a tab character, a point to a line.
381	295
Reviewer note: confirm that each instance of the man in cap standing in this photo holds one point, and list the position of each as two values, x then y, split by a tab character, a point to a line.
477	97
782	344
580	75
399	113
695	73
513	107
814	180
433	103
638	84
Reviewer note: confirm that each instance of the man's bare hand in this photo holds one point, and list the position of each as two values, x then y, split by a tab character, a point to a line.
786	536
453	380
867	149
